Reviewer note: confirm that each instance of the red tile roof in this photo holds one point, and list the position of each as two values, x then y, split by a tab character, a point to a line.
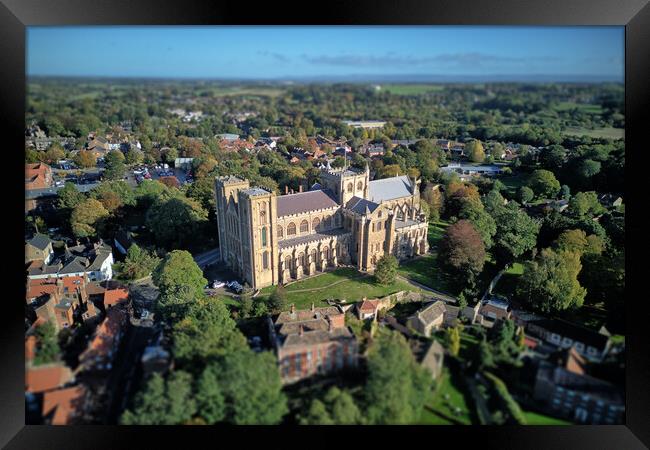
66	404
369	305
114	296
45	378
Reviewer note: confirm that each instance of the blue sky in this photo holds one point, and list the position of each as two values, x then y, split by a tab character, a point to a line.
297	52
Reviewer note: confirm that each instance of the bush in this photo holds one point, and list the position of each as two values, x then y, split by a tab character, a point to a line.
512	407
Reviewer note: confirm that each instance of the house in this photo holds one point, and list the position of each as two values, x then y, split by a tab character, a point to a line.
61	301
428	319
227	136
563	389
101	350
588	343
368	124
95	261
444	144
373	150
65	406
310	342
368	309
113	297
38	176
494	309
99	146
266	141
39	248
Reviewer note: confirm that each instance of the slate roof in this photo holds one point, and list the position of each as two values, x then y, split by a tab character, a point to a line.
314	237
317	337
575	332
389	188
359	205
431	312
255	191
303	202
40	241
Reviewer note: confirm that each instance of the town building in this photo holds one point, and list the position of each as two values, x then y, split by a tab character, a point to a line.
103	347
94	260
310	342
368	124
566	390
39	248
433	317
268	239
38	176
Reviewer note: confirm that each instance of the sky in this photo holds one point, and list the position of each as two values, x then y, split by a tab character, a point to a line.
294	53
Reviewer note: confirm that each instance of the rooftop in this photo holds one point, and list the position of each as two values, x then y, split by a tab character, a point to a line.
389	188
303	202
40	241
359	205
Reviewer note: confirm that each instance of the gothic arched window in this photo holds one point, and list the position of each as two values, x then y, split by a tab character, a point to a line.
350	187
279	231
315	223
304	226
263	236
360	186
291	229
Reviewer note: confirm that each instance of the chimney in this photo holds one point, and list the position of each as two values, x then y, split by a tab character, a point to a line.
300	188
286	189
301	332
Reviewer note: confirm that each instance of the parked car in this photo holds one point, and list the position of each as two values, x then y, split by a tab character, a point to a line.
144	315
216	284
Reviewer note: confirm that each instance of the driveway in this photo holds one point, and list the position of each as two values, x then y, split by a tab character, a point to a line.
207	258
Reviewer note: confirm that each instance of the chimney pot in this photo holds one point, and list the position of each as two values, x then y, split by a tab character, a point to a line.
300	188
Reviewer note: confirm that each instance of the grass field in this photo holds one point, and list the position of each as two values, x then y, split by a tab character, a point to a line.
514	182
411	89
343	283
426	271
539	419
440	408
435	232
607	132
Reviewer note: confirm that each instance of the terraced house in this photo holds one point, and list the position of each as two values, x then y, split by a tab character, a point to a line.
345	219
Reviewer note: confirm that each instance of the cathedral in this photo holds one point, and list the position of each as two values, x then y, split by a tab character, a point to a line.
346	219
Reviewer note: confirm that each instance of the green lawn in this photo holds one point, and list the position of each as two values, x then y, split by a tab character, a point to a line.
514	182
435	232
585	107
343	283
425	270
447	396
539	419
411	89
606	132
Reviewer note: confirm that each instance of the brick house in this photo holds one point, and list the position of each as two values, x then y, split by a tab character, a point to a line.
38	176
39	248
565	390
428	319
310	342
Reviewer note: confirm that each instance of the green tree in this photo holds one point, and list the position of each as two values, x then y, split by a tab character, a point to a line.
138	263
54	153
565	192
386	270
396	387
252	388
85	159
47	346
163	402
134	157
316	415
69	196
278	299
453	338
476	214
87	217
176	221
476	151
550	282
206	332
544	184
246	305
585	204
525	194
210	402
178	268
114	165
516	233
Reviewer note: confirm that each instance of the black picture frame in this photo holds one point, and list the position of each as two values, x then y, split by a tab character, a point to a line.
15	15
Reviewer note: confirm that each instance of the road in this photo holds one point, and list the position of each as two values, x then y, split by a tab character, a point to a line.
206	258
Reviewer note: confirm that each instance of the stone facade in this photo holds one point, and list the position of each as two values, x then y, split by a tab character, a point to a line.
268	239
